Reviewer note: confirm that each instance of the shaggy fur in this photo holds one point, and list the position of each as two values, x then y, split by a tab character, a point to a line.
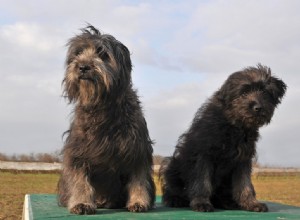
211	166
107	158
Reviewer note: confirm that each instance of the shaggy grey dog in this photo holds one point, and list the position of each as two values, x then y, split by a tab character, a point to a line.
212	163
107	156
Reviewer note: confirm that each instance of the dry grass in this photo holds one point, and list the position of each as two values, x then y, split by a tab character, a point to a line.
276	188
283	189
14	186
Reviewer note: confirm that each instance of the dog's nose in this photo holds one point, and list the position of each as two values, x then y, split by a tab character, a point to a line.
84	68
257	107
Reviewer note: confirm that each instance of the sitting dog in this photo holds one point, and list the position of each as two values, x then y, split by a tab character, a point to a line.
212	163
107	156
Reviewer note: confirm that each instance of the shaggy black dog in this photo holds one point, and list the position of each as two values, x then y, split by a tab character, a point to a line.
107	158
211	166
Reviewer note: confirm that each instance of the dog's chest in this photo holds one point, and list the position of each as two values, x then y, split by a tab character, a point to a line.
237	148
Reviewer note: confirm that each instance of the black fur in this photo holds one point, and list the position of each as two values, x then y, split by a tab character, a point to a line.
212	162
107	158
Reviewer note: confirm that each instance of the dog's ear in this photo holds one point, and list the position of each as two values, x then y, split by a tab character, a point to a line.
122	57
277	89
228	91
102	53
221	97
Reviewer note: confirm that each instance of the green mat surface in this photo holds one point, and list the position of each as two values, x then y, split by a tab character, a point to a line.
44	206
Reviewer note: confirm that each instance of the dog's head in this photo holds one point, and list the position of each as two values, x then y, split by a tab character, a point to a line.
97	66
249	97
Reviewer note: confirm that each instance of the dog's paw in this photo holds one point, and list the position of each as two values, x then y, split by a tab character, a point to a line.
202	207
83	209
137	207
258	207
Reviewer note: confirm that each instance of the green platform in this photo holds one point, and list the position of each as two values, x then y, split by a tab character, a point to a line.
44	206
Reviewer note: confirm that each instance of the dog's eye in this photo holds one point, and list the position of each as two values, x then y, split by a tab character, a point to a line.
99	50
78	52
269	96
102	53
245	89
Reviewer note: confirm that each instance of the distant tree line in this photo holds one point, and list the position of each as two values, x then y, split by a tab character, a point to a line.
50	157
33	157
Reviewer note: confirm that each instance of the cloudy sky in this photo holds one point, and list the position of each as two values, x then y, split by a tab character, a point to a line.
182	52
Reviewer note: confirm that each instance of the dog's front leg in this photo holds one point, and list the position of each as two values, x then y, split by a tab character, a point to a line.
200	187
243	190
81	193
141	192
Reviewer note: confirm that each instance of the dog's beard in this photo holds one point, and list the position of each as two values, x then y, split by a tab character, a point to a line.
88	77
87	89
254	121
248	121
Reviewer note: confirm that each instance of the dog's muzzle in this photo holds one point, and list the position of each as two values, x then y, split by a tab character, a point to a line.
85	72
84	68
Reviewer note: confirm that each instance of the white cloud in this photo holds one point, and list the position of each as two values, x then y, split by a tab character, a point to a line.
31	36
32	55
223	35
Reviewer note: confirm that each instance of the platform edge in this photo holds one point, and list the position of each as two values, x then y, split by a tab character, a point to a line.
27	209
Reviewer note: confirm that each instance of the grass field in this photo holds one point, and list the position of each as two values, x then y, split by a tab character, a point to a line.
276	188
